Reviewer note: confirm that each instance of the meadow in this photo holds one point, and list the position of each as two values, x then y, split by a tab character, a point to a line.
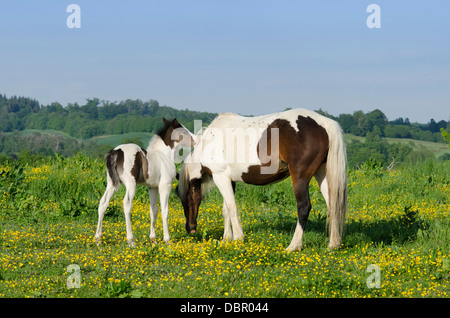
396	244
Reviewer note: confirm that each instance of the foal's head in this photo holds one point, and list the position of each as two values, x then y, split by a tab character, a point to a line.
175	134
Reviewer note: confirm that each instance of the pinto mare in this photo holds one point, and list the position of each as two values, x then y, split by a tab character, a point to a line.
297	142
155	168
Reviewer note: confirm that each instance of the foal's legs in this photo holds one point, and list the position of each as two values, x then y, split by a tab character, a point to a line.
127	206
153	194
164	193
104	202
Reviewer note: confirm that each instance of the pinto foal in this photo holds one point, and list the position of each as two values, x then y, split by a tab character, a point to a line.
155	168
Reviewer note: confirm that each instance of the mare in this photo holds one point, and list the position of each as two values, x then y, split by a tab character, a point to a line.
155	168
266	149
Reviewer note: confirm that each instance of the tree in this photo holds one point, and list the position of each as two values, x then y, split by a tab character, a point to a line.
91	108
361	124
442	124
398	121
73	108
433	126
55	108
397	131
377	118
375	134
446	136
346	121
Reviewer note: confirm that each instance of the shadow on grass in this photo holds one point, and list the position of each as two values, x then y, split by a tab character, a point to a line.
398	230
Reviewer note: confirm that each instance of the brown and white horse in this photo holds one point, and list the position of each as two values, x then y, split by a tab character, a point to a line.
266	149
155	168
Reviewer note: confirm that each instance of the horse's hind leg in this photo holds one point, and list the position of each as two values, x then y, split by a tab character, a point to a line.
103	205
153	194
301	192
321	177
127	206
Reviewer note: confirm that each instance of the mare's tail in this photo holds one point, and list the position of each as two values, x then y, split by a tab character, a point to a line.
337	183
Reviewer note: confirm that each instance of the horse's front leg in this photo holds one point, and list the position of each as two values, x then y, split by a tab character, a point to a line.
164	193
153	195
226	188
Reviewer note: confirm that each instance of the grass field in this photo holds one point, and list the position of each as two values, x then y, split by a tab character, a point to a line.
115	140
397	241
112	140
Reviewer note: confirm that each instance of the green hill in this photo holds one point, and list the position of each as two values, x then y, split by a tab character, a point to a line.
437	148
93	128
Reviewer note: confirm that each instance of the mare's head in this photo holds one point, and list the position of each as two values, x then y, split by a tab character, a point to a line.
190	190
175	134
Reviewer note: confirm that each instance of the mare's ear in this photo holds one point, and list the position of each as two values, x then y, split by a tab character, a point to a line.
166	122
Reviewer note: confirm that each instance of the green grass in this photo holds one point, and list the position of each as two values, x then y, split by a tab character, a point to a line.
397	220
111	140
437	148
115	140
27	132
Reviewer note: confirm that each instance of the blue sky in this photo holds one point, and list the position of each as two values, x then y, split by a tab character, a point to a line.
249	57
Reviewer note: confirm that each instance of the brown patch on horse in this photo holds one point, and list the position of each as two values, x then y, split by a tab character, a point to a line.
254	175
306	150
140	167
311	147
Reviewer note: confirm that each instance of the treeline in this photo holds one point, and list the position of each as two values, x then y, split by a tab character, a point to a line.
79	123
377	151
95	118
376	122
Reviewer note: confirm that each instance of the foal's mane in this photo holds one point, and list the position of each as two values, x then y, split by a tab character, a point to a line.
167	124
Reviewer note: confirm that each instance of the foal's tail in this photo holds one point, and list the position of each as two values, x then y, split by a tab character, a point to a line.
337	183
113	158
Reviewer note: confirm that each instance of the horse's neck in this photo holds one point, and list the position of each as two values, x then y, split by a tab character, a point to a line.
157	144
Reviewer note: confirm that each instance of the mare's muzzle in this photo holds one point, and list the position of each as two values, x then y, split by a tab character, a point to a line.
191	228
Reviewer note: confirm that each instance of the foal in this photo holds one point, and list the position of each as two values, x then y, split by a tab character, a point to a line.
155	168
